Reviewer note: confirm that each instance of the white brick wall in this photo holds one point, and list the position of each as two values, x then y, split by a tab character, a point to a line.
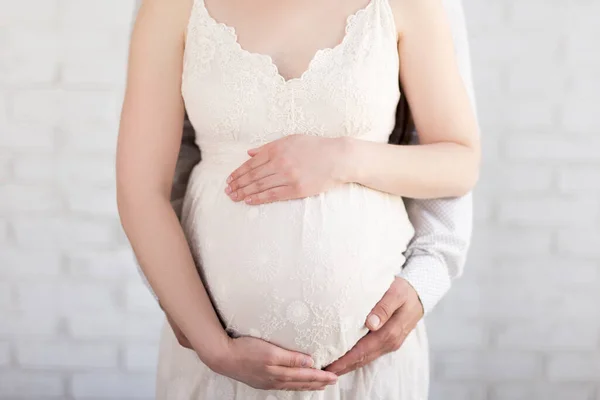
522	324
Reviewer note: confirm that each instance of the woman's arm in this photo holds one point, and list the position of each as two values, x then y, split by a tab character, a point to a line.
149	139
446	162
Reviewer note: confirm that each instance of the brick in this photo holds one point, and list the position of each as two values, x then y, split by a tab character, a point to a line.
549	336
28	199
4	353
486	18
104	265
64	233
5	168
515	391
490	366
583	179
450	335
93	66
483	209
56	355
139	299
509	242
21	263
528	78
140	357
3	231
574	367
545	17
3	109
552	212
30	385
66	297
86	138
35	11
30	56
116	325
52	107
518	179
5	295
66	171
554	271
92	201
579	243
457	391
28	323
552	148
580	23
108	14
92	106
578	304
112	386
27	136
530	114
585	90
41	106
463	301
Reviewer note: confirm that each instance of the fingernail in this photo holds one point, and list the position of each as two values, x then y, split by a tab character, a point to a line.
373	321
307	362
229	179
228	189
234	195
248	200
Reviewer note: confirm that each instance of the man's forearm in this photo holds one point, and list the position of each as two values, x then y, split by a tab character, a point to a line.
443	227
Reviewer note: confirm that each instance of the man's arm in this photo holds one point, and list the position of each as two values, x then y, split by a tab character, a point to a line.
435	256
443	227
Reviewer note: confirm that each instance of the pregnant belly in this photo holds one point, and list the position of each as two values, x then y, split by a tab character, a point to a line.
302	274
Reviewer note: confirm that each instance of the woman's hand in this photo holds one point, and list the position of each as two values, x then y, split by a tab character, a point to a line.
265	366
292	167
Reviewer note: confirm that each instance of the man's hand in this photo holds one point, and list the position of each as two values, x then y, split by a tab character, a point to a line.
390	321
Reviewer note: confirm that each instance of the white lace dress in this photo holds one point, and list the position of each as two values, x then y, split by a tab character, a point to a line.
302	274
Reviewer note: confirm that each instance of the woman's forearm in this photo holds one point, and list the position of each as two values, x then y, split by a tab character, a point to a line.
163	253
417	171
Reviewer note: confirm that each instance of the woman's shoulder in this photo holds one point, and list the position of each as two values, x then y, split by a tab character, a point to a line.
170	14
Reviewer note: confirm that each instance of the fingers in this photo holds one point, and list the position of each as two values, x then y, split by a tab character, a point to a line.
364	351
284	358
272	195
385	308
375	344
293	371
260	183
301	378
254	162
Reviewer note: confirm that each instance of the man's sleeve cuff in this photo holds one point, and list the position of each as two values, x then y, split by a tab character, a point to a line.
428	275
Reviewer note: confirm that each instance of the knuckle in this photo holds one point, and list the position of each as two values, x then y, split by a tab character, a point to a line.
385	309
286	162
271	358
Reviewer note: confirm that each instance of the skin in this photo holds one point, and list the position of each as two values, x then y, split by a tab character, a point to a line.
149	138
445	164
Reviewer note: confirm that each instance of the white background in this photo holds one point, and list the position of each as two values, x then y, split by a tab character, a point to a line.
522	324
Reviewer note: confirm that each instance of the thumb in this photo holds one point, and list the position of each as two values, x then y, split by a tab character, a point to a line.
383	310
